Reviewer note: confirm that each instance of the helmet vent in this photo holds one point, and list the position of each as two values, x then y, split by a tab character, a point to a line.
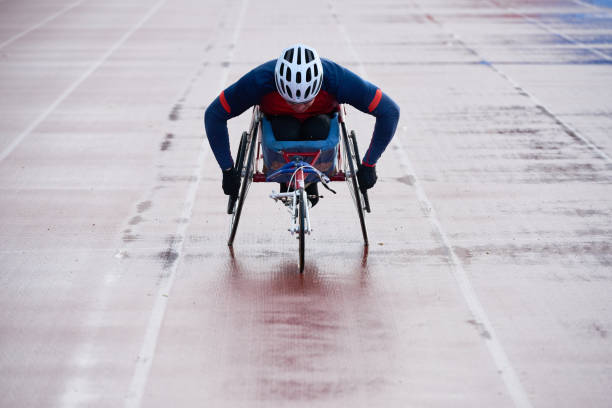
288	74
297	93
307	92
283	85
289	92
308	76
289	55
298	77
309	56
282	69
299	55
316	70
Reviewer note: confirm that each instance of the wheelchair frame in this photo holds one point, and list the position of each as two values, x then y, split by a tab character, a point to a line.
249	165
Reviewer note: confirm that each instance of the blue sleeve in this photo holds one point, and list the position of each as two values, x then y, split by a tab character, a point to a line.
232	102
368	98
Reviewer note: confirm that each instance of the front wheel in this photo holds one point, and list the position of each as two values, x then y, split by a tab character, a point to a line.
302	233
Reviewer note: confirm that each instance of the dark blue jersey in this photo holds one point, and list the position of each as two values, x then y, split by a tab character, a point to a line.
338	81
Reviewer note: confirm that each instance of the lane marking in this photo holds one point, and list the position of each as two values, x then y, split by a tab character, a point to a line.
492	341
569	130
555	32
41	118
496	350
593	6
149	345
40	24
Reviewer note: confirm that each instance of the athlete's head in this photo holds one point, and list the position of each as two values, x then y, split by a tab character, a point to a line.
298	74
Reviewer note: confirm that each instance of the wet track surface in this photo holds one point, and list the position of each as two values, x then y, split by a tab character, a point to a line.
487	282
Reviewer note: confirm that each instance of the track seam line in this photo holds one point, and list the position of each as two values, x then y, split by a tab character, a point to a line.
569	130
41	118
40	24
154	325
500	358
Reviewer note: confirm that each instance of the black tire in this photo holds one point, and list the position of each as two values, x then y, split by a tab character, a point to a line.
302	234
351	178
247	177
364	193
239	165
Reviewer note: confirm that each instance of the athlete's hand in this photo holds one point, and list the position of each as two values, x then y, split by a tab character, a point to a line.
231	182
366	176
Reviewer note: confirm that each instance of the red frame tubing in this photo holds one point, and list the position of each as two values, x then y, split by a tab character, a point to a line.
299	179
288	155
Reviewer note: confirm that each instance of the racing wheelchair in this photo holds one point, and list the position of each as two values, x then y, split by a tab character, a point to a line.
262	158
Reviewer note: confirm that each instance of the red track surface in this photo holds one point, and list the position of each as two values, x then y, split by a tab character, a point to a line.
487	282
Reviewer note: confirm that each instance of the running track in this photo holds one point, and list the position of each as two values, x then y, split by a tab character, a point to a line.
488	278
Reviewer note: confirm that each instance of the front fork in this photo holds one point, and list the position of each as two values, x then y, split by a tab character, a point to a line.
291	200
300	193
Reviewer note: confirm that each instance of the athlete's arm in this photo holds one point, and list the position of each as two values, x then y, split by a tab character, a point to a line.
233	101
368	98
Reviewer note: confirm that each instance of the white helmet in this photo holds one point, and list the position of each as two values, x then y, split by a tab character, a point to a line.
298	74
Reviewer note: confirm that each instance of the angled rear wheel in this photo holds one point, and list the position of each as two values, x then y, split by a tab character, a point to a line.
245	167
239	166
364	194
351	158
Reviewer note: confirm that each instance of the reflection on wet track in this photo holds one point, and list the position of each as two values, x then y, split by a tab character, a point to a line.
305	328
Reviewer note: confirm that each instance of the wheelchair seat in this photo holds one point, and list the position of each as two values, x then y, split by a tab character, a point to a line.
275	152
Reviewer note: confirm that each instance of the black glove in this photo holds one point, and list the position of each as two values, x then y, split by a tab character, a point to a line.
366	176
231	182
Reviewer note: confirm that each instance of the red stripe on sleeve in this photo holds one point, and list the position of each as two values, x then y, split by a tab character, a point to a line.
225	104
375	101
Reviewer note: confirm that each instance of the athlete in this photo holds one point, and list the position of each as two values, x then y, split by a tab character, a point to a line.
298	92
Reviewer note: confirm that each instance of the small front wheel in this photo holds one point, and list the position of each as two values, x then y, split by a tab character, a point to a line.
302	233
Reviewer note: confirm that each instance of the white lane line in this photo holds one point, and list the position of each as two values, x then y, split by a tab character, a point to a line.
149	344
26	132
502	362
571	131
555	32
560	34
568	129
40	24
582	3
500	358
593	6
